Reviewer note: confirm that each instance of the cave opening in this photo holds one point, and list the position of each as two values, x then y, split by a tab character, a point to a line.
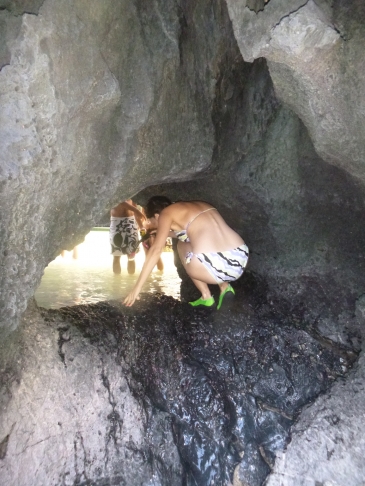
84	275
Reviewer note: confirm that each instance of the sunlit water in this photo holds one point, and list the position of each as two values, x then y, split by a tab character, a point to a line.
90	278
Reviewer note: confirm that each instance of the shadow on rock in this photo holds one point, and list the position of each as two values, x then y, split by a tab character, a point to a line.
232	382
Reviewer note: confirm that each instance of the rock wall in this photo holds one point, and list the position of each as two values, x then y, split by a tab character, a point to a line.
313	49
300	216
256	106
101	99
327	442
98	100
68	415
162	393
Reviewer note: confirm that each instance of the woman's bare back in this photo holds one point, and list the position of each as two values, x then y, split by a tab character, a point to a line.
206	229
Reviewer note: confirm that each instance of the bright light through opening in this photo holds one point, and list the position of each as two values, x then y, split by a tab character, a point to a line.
88	277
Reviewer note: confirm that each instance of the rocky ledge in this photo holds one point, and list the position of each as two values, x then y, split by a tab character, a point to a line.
165	394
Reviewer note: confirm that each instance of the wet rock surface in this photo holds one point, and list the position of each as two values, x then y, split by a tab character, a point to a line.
330	437
68	416
216	392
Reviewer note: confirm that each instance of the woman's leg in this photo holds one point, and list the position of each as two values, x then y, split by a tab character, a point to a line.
201	276
196	271
203	288
223	286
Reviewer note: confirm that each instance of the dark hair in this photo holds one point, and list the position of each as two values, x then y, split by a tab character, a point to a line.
156	204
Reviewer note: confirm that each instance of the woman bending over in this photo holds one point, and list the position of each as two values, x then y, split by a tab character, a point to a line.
210	251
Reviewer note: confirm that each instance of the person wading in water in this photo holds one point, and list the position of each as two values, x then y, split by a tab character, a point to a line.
210	251
125	221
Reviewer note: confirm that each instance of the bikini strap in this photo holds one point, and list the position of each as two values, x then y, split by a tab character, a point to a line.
205	210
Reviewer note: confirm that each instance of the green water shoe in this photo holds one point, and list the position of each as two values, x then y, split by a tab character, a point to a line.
229	297
201	302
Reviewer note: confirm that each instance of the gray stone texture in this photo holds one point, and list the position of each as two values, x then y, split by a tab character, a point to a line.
328	441
255	106
158	394
97	101
314	54
301	217
68	415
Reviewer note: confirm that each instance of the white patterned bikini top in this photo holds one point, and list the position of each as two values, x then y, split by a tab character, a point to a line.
182	235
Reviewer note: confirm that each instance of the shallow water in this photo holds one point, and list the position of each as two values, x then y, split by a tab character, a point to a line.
89	278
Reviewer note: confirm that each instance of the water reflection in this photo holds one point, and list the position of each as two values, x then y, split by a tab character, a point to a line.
89	278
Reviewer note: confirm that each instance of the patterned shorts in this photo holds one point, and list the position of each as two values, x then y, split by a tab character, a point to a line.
224	266
123	236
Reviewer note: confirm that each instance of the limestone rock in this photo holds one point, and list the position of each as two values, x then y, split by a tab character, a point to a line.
317	69
98	100
68	415
328	445
256	106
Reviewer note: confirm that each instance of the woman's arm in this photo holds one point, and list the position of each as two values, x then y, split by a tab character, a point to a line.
152	257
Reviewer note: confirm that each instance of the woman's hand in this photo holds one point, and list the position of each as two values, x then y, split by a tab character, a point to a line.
131	298
152	257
